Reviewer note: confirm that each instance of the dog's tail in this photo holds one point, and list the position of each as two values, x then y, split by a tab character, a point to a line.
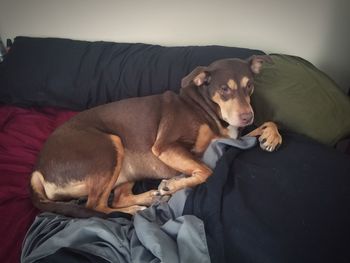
43	203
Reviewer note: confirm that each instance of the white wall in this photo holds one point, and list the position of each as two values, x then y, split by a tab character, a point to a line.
313	29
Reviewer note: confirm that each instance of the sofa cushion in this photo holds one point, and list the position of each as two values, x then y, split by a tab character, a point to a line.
77	75
301	98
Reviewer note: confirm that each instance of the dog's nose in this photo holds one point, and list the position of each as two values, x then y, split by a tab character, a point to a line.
246	117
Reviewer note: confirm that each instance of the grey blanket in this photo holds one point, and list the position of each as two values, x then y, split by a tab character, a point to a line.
159	233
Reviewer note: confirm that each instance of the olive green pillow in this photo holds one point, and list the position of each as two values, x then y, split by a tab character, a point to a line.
302	99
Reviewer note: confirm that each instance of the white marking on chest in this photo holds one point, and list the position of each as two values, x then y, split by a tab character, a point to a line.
232	132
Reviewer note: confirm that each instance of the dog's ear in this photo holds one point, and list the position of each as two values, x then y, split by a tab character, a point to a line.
256	62
198	77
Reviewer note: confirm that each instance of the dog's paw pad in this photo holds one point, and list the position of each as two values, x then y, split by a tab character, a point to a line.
163	192
156	193
267	147
270	144
164	188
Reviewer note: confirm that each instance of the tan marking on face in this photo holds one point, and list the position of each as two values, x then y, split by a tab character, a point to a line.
227	108
244	81
204	137
231	108
216	98
232	84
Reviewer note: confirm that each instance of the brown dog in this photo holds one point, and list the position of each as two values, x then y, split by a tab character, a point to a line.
111	146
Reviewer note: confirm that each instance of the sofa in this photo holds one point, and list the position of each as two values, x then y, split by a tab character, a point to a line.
291	205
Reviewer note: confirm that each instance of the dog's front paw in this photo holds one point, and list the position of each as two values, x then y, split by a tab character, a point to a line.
165	188
170	186
270	139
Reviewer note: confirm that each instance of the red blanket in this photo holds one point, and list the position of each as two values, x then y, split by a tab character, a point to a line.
22	134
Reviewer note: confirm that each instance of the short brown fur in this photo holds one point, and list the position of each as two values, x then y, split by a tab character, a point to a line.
108	148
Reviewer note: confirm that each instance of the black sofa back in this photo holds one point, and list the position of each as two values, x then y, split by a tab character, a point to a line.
77	75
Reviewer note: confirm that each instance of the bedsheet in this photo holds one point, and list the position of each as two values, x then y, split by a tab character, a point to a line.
22	134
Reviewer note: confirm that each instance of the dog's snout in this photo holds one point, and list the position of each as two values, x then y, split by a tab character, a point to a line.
246	117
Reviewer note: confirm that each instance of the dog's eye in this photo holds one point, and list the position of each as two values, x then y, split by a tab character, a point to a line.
224	89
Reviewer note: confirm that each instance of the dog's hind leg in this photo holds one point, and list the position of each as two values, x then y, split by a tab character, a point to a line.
100	186
99	199
100	189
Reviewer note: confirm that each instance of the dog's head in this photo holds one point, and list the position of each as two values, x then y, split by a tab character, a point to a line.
228	83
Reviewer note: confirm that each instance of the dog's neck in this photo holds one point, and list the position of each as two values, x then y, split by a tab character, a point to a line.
202	104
